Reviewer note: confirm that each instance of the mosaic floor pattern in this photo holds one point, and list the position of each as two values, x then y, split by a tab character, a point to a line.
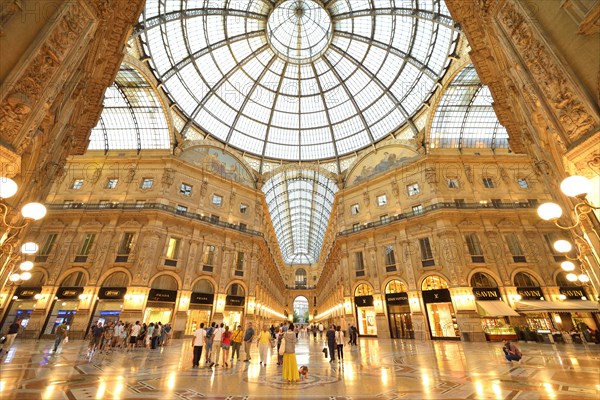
376	369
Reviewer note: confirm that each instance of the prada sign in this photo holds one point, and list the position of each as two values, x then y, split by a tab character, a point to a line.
28	292
236	301
573	292
530	293
202	298
169	296
363	301
108	293
486	293
399	299
69	292
436	296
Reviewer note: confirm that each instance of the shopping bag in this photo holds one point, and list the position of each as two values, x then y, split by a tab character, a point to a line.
325	351
282	347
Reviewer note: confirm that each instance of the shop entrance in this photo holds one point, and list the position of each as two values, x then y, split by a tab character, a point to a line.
440	313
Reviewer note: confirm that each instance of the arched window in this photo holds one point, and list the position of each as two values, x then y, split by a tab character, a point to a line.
116	279
165	282
395	286
561	280
523	279
74	279
300	278
363	290
203	286
236	289
482	280
434	282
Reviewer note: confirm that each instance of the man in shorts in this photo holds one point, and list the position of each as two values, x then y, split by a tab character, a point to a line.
133	335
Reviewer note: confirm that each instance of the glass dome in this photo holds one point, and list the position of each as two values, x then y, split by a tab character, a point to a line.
298	80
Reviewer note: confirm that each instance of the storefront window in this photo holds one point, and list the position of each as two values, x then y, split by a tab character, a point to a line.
365	312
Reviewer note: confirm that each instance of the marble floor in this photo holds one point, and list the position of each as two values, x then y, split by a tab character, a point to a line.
376	369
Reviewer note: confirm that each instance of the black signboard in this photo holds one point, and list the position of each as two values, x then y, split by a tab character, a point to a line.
399	299
363	301
573	292
27	292
169	296
481	293
436	296
202	298
109	293
69	292
530	293
237	301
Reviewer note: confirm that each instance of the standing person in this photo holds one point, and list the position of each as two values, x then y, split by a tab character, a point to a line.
290	366
248	337
61	333
163	334
236	343
511	351
197	343
142	335
119	329
264	343
314	332
13	329
209	342
321	329
279	338
96	338
133	335
353	335
109	334
149	334
226	344
217	338
156	335
167	334
339	340
331	342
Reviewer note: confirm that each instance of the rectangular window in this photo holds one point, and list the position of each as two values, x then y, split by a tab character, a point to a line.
523	183
359	263
111	183
533	203
126	243
49	244
381	200
217	200
426	253
453	183
354	209
390	259
243	208
147	183
104	204
215	219
209	255
88	242
474	247
496	203
355	227
515	248
173	248
384	219
76	184
67	203
185	189
181	209
417	210
413	189
239	261
460	203
488	183
140	203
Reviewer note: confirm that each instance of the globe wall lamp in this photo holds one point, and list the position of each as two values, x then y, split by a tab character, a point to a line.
577	187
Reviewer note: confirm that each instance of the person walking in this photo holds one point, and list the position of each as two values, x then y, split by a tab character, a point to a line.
209	342
511	351
13	330
265	341
290	365
217	338
134	331
353	335
226	344
321	329
236	342
339	340
330	335
248	337
61	333
197	343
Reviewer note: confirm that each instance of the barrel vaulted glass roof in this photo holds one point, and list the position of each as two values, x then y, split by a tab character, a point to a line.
300	203
133	118
298	79
465	117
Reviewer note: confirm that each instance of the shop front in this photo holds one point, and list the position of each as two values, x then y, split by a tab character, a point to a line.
399	316
441	316
109	305
21	307
200	310
494	313
64	308
365	315
535	308
234	310
160	306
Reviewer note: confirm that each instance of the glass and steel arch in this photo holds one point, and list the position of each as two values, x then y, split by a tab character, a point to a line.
465	117
133	117
300	203
298	80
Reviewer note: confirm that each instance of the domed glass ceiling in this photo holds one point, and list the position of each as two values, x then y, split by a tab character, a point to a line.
298	79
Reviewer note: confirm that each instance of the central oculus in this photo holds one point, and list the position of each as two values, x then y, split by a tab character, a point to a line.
299	31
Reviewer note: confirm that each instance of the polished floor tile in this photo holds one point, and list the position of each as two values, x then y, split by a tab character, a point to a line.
376	369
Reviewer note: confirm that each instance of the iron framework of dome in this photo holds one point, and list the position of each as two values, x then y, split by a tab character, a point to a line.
298	80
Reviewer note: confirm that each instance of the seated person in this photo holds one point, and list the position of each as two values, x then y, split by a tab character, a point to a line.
511	351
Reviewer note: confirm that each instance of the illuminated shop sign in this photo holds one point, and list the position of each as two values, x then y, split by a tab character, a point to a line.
486	293
169	296
573	292
436	296
202	298
363	301
107	293
530	293
237	301
69	292
27	292
399	299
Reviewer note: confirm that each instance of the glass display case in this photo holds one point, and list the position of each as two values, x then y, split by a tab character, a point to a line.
496	329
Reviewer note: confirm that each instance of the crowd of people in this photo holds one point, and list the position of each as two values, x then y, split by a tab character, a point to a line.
105	338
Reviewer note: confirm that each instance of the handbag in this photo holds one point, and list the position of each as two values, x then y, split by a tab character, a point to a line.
282	347
325	351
